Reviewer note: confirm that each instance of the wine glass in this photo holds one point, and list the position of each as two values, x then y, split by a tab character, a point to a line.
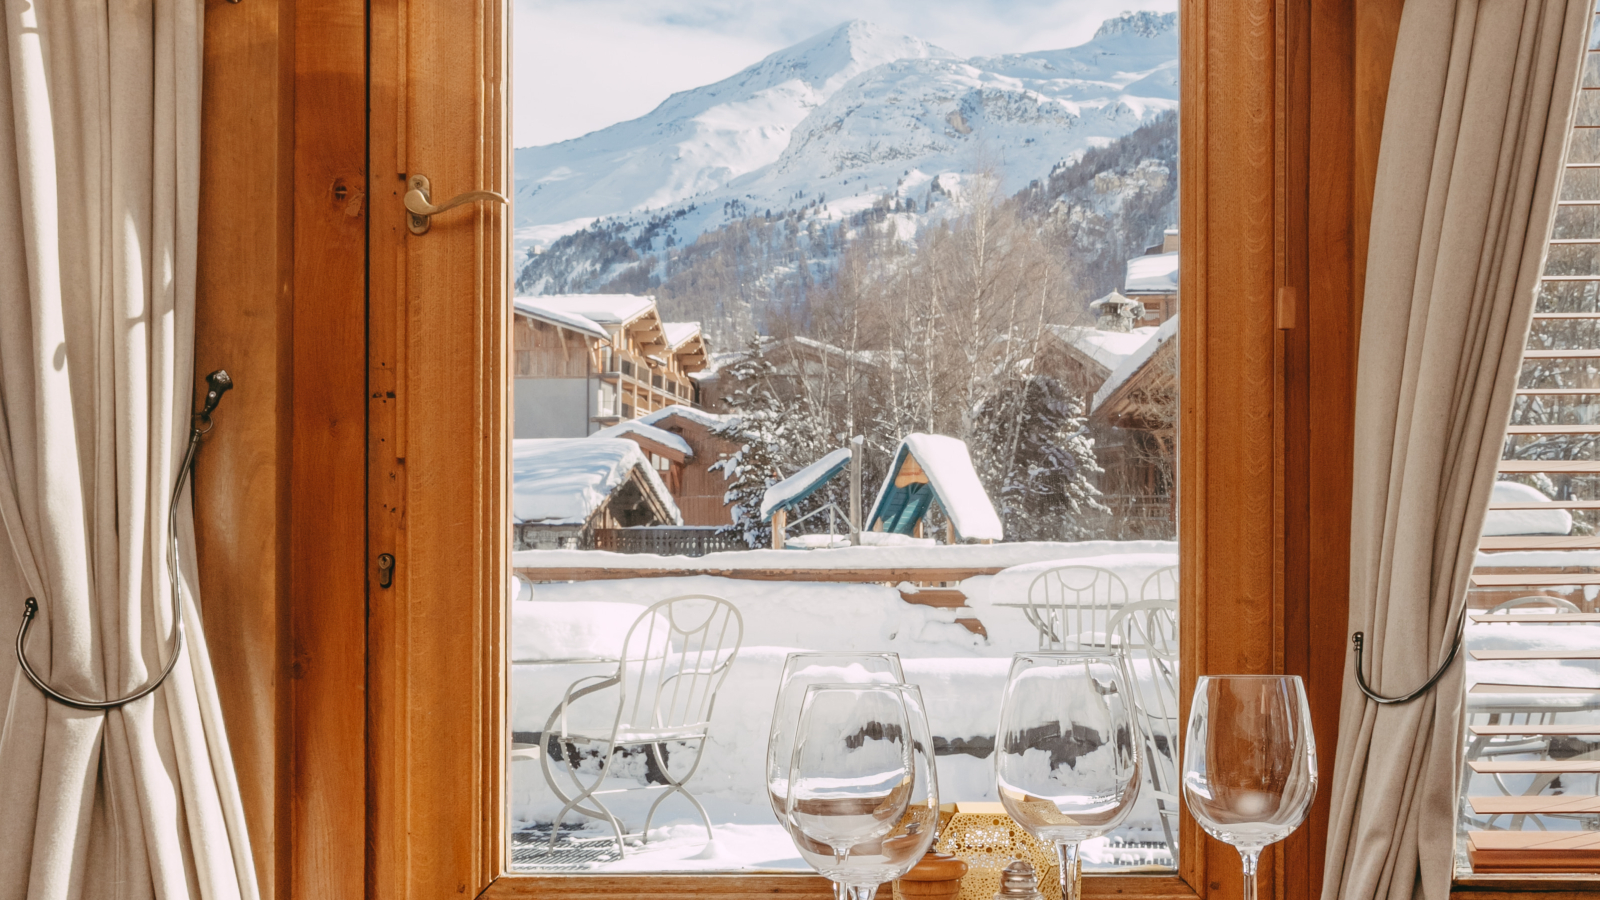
1249	762
800	671
863	797
1067	750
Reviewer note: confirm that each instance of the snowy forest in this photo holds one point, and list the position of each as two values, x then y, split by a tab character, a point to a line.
942	333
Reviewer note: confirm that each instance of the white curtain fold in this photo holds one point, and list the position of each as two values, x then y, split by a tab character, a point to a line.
99	176
1480	101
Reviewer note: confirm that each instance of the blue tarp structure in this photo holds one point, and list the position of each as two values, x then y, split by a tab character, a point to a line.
929	467
802	484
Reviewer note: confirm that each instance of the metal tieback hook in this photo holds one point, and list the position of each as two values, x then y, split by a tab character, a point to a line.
219	383
1359	638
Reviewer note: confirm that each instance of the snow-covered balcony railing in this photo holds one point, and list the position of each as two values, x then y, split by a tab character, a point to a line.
954	640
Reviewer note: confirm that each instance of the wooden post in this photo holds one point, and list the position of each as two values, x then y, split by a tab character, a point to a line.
916	530
949	532
780	521
857	449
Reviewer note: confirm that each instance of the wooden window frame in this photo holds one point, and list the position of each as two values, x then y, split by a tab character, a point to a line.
371	417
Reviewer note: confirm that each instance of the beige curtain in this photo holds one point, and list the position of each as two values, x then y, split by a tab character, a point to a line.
99	168
1479	105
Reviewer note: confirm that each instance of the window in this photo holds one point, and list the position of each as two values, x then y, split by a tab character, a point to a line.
434	754
985	293
1533	695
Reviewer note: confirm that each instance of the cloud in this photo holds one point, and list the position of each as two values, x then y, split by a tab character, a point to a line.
579	65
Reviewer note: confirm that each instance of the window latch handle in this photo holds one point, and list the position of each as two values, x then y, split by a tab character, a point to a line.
420	208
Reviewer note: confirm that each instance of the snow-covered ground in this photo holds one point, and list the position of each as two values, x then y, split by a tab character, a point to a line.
962	677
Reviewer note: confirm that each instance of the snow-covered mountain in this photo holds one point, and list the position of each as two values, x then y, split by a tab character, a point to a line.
844	119
697	140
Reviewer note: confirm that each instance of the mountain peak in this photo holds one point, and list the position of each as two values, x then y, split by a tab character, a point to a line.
849	48
1141	24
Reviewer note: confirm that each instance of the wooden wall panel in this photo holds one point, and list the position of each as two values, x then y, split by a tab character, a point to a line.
242	323
328	541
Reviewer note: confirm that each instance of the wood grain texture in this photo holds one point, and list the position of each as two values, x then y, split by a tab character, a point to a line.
440	324
1230	483
328	616
242	324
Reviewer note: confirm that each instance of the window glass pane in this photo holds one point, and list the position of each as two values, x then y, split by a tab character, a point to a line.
1533	675
867	328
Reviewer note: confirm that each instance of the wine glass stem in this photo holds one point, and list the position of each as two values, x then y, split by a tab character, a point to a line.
862	891
1250	857
1071	878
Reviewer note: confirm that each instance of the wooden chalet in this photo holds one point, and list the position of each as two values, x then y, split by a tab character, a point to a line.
1082	358
1152	279
586	361
1133	418
682	445
566	489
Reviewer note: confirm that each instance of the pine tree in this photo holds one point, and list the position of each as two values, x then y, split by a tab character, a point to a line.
1035	457
759	428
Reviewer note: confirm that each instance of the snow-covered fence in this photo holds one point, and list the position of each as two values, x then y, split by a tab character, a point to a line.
686	540
854	565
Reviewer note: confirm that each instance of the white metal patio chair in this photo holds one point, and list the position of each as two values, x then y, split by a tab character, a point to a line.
1147	638
1535	742
1072	606
1162	584
674	660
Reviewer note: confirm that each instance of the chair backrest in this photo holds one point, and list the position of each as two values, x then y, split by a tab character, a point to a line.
674	660
1072	606
1147	637
1162	584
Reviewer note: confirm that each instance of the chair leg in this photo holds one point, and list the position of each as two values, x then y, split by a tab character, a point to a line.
587	793
677	787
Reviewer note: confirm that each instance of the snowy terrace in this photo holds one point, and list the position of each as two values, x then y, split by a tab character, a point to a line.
956	641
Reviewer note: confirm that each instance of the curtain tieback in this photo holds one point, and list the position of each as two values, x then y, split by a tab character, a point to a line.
219	383
1359	639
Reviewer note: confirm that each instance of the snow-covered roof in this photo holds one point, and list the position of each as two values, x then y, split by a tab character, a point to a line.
1153	274
697	416
563	481
536	308
680	333
801	484
645	430
1108	348
606	309
954	483
1135	361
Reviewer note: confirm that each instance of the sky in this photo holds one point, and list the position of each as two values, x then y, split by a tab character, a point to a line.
580	65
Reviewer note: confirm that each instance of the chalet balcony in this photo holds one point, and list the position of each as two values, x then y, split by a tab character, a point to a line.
659	390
